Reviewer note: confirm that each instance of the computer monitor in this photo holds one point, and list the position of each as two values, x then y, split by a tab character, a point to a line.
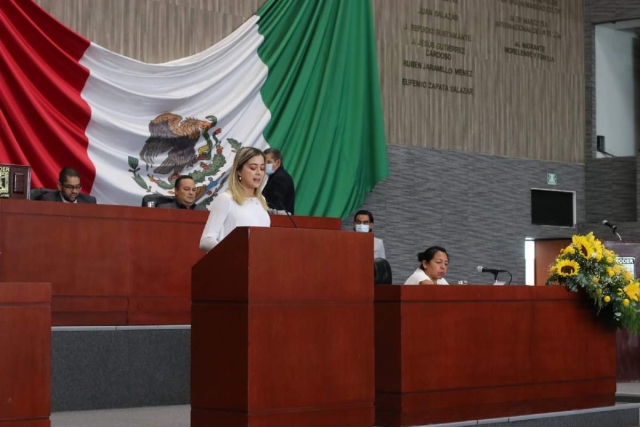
552	207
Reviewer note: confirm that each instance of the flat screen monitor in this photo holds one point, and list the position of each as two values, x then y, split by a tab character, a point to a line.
551	207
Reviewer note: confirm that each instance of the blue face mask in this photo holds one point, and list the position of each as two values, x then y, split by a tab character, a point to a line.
268	168
362	228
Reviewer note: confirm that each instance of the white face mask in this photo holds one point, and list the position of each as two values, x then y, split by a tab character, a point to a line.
268	168
362	228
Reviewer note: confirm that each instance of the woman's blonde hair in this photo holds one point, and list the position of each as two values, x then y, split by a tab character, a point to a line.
235	187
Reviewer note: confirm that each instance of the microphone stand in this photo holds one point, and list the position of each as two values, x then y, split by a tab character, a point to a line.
285	212
495	278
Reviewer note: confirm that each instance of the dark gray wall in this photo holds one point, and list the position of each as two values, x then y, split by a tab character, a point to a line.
476	206
611	189
94	368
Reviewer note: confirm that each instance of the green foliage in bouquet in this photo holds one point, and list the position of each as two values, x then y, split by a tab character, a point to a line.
586	264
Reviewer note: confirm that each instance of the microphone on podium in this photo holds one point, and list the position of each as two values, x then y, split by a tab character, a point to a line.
613	227
608	224
276	211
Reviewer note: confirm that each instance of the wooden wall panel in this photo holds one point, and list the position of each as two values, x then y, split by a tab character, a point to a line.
520	107
153	31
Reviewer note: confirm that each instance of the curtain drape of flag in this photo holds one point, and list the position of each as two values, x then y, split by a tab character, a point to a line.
300	75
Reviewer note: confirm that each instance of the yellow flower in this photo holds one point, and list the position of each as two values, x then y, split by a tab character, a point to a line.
598	248
619	291
610	271
625	302
628	275
607	298
568	250
583	245
589	247
632	290
595	279
609	260
567	268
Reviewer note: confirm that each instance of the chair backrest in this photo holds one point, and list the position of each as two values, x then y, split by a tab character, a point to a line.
382	272
157	199
37	193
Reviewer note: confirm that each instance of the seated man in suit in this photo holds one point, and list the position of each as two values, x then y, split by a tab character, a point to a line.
68	189
279	190
363	223
185	191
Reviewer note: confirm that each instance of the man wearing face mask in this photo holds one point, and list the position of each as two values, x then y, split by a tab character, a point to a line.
279	190
363	223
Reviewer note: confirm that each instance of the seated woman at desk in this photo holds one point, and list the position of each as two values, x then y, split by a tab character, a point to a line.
433	266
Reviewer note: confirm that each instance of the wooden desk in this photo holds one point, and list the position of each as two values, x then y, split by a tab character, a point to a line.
455	353
25	355
110	265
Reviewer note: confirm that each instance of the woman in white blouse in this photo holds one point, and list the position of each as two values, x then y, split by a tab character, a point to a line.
433	266
242	205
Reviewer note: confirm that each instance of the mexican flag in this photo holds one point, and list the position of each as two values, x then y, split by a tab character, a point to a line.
300	76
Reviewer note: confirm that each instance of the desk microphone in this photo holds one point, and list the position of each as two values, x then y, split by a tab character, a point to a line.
613	227
286	213
494	271
608	224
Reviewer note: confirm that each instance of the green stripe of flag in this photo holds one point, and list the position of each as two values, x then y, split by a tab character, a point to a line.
324	97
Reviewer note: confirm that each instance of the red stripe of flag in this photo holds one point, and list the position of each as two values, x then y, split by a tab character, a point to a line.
42	114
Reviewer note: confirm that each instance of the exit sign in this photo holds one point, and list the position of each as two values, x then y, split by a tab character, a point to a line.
552	179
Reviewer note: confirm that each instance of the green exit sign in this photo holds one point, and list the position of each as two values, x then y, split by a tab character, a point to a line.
552	179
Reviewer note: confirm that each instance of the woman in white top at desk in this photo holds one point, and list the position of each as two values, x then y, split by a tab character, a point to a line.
242	205
433	267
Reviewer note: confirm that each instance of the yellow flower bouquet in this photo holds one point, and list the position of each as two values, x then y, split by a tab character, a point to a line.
586	264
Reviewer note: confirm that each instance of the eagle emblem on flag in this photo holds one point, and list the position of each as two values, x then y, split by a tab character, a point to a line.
178	138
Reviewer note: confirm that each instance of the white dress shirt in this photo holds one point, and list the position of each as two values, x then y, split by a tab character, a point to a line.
420	276
226	215
378	248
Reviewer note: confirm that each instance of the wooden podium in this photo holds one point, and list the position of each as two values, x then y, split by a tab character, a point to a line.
460	353
25	354
282	330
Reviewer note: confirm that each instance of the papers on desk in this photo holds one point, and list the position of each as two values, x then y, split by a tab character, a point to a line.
278	212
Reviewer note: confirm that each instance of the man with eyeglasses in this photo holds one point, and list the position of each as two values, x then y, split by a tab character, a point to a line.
68	189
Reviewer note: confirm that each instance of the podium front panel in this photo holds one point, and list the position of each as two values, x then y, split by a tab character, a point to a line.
282	330
458	353
25	355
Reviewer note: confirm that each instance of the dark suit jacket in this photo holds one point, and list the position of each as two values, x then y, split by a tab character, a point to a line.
280	192
55	196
